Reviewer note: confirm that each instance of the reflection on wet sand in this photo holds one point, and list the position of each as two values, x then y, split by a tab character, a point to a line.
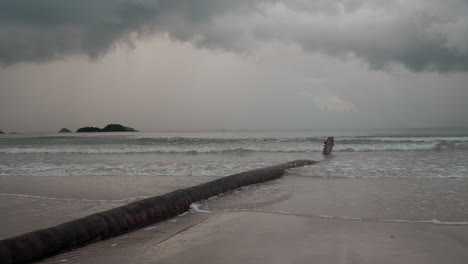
294	219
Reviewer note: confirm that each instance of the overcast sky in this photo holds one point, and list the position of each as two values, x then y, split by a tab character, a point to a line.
236	65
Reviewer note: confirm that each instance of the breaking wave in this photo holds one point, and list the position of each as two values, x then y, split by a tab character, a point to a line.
177	140
224	148
125	144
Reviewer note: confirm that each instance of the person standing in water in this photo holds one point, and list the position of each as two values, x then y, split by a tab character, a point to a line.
328	145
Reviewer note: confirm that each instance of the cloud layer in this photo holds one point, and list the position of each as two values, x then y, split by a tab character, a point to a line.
422	35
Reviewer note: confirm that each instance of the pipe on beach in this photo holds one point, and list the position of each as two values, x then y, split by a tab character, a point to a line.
37	245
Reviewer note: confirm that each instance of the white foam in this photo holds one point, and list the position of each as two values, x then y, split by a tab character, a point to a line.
288	147
68	199
352	218
183	214
34	196
386	147
418	139
195	208
198	168
433	221
131	149
325	216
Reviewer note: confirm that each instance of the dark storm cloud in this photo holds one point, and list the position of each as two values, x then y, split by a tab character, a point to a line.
419	34
50	29
43	30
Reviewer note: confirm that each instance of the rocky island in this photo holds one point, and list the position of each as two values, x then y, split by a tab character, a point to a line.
117	128
88	129
108	128
64	130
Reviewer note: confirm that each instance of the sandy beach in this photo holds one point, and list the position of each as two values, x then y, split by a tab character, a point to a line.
291	220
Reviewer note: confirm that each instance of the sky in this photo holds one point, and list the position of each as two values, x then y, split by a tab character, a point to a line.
233	65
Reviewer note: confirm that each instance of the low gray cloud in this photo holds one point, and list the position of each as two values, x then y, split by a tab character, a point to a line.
422	35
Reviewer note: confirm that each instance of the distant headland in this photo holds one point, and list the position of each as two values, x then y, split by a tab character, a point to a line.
108	128
1	132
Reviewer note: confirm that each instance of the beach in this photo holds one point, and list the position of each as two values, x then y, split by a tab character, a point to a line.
158	131
385	205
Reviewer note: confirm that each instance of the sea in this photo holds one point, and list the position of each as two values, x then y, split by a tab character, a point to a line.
377	153
409	186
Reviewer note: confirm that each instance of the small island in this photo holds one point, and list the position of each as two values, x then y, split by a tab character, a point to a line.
88	129
1	132
108	128
64	130
117	128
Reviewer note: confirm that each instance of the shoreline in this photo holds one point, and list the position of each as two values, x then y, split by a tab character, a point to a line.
285	212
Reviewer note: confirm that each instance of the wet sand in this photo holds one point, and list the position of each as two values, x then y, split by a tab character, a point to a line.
291	220
30	203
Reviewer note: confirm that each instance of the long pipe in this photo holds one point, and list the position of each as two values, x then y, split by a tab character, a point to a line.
43	243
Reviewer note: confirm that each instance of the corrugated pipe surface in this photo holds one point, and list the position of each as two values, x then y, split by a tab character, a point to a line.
43	243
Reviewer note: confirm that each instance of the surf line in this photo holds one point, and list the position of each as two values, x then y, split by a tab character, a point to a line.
37	245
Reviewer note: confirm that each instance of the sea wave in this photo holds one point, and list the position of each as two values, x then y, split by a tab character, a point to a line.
205	168
181	141
132	144
403	139
383	167
194	149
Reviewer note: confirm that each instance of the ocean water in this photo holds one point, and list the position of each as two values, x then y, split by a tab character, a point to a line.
404	153
408	181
